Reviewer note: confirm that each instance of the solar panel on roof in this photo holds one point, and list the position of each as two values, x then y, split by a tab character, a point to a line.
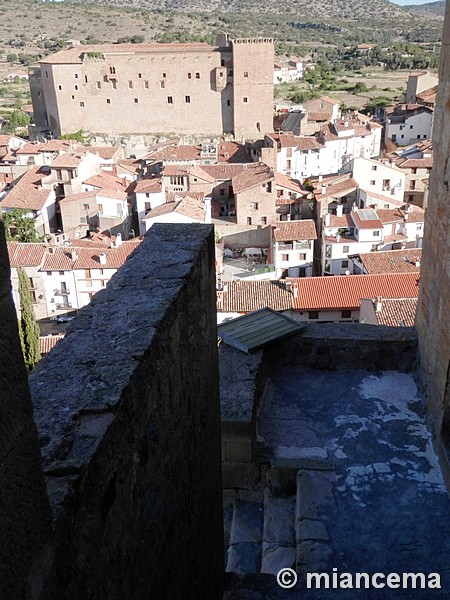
367	214
258	329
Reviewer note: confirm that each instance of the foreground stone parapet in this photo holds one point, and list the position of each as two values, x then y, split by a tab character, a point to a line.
127	409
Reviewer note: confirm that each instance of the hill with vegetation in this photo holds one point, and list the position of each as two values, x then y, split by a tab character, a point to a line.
429	9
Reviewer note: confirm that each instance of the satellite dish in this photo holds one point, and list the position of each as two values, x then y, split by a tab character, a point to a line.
347	272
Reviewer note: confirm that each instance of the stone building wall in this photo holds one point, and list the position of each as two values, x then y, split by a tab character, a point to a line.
160	89
433	312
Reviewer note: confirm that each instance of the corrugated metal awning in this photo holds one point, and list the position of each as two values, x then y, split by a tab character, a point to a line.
258	329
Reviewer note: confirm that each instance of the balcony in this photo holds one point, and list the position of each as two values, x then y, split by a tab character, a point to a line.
63	305
61	292
294	246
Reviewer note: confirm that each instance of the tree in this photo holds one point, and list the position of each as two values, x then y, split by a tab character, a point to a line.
19	226
16	119
28	328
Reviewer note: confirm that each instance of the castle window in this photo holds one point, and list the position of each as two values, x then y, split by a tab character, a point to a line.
136	100
189	75
130	84
245	74
249	220
228	102
187	99
169	100
99	85
73	97
76	87
146	84
108	100
140	75
112	70
263	220
82	104
85	79
164	75
39	93
222	62
245	100
162	84
59	87
197	76
46	74
76	75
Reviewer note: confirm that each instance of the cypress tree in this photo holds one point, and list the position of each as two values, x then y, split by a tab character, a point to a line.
28	328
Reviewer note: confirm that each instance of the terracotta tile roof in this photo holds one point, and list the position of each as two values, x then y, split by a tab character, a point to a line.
392	261
345	221
382	197
110	181
395	215
397	312
69	161
308	143
176	153
415	163
121	195
79	196
5	139
74	55
106	152
345	291
88	258
289	231
223	172
188	206
53	147
232	152
390	215
428	95
175	170
337	190
47	342
198	172
152	186
366	223
284	139
246	296
28	192
23	254
319	116
254	174
288	183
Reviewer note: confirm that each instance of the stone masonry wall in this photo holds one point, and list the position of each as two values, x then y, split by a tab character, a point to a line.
24	509
127	409
433	315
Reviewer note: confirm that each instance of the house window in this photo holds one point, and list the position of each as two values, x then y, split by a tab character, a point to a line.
82	219
346	314
61	272
374	167
136	100
344	264
228	103
376	233
418	137
263	220
313	314
386	183
189	75
147	206
108	100
285	257
345	249
130	84
414	171
254	205
418	226
187	99
222	192
411	126
269	187
372	182
197	76
82	104
169	100
249	220
374	247
100	208
412	184
230	72
302	256
245	74
245	100
386	206
146	85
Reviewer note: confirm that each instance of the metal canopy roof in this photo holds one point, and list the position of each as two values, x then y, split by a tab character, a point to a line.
258	329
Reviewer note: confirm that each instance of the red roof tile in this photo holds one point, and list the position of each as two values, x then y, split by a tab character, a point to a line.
88	258
286	182
28	192
397	312
23	254
345	291
288	231
246	296
47	342
392	261
254	174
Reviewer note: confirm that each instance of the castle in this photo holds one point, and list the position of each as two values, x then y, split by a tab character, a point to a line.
186	89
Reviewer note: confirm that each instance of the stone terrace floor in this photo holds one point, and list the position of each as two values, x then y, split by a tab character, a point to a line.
375	486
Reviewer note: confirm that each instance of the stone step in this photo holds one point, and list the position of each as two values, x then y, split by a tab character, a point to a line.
245	541
279	542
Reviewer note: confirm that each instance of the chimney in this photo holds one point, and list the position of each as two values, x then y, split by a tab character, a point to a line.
405	216
320	178
327	220
417	263
102	258
338	238
378	304
118	240
208	209
339	210
323	189
295	292
73	254
51	250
